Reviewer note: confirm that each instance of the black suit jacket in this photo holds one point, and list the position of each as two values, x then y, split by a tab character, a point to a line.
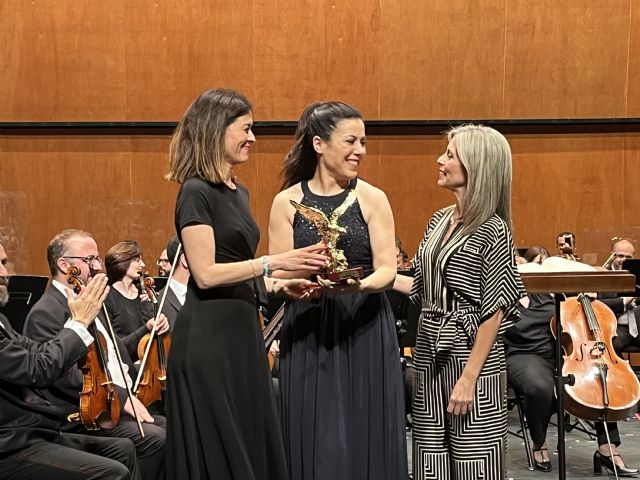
615	303
45	320
26	363
171	305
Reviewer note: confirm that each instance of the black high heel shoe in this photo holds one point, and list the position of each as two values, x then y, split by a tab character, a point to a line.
545	465
600	460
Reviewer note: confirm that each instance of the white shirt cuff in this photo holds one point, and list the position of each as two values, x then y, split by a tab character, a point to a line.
81	330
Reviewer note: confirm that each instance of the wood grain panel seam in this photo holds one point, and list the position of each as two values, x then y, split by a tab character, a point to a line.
626	82
254	92
379	56
504	58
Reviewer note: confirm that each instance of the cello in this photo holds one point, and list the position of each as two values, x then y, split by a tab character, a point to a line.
153	350
605	387
99	401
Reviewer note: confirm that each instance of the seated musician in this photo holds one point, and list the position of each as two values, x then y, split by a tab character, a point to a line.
530	357
566	245
132	316
46	319
626	309
164	264
177	286
31	444
402	258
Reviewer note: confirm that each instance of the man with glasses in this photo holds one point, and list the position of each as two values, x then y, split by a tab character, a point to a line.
46	318
164	264
31	443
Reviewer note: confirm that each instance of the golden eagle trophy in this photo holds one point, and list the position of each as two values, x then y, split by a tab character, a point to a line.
337	270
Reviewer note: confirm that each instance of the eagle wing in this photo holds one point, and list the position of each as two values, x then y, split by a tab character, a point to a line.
313	215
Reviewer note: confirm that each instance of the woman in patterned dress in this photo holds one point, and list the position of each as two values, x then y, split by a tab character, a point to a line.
467	285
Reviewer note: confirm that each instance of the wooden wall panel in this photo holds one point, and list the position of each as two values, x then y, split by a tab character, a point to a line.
566	59
114	188
262	176
151	199
408	174
569	182
394	59
309	50
64	183
176	50
633	75
442	59
111	187
62	60
629	180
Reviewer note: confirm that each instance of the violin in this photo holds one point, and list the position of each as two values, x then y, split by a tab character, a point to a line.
153	350
99	401
605	387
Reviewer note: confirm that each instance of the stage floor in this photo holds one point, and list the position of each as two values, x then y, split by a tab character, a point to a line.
579	452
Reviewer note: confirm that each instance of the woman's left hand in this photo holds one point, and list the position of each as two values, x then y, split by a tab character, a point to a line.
461	401
300	288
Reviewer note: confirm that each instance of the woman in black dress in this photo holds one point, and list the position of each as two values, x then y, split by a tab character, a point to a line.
340	376
132	316
221	415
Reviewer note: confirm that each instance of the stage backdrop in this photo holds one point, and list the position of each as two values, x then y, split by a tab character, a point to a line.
66	60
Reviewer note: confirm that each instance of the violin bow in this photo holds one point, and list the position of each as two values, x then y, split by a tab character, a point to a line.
158	313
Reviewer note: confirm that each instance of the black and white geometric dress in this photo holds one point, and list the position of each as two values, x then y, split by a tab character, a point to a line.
458	285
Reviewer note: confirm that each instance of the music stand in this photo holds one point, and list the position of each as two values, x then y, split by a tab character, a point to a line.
560	284
24	292
633	267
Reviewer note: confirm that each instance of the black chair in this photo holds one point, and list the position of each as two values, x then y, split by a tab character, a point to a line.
626	354
574	423
513	399
24	292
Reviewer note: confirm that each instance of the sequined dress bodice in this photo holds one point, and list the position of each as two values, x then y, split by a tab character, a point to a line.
354	243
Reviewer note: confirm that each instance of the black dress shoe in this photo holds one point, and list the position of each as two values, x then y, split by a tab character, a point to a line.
600	460
544	466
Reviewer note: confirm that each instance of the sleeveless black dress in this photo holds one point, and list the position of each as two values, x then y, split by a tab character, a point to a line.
340	375
221	417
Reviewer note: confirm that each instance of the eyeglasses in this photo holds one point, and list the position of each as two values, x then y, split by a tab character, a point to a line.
89	259
622	255
162	261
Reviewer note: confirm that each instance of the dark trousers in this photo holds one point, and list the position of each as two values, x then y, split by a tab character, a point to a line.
150	450
74	456
532	377
624	339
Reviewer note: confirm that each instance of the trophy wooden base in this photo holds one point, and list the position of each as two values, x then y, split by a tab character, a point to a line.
343	276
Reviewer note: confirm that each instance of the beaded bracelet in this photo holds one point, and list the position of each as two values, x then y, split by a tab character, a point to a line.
266	268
